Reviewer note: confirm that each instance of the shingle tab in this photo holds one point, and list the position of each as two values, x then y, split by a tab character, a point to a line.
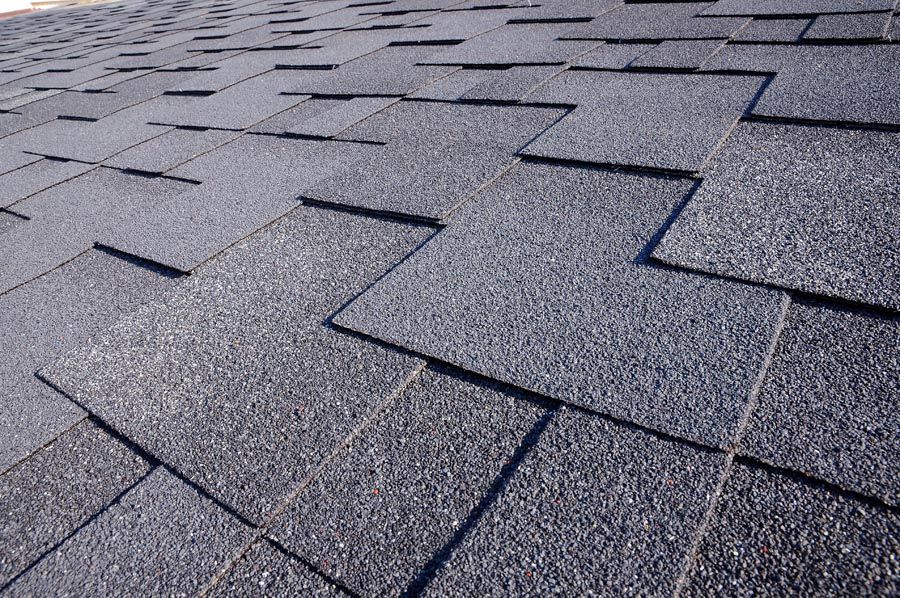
35	177
435	155
397	495
653	120
795	7
47	497
682	54
163	537
590	510
269	571
670	350
516	44
865	26
171	149
854	83
658	21
773	30
828	403
247	184
807	208
242	362
67	219
776	535
47	317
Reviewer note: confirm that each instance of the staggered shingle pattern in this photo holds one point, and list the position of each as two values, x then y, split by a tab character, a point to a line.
451	298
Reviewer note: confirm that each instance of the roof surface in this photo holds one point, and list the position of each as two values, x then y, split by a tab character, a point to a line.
450	297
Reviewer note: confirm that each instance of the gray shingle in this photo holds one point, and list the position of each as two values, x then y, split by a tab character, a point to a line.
613	56
539	282
594	508
683	54
828	403
248	183
656	21
240	359
774	535
856	83
378	513
47	497
532	43
455	85
67	219
386	72
795	7
307	109
436	155
165	152
866	26
163	537
265	570
807	208
341	117
513	84
47	317
641	119
36	177
89	141
237	107
773	30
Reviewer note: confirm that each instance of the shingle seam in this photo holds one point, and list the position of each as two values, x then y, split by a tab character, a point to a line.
43	447
49	551
440	557
708	517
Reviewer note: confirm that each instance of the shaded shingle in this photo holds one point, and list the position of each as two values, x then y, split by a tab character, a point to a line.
774	534
47	497
640	119
828	403
801	207
435	155
539	282
397	495
237	359
595	508
163	537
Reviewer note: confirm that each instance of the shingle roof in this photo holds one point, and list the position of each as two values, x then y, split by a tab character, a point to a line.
441	297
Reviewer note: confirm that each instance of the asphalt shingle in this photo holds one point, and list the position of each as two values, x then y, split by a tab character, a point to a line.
657	21
596	507
516	44
267	571
69	218
47	497
240	360
795	7
808	208
162	537
776	535
396	496
855	83
35	177
247	184
681	54
653	120
865	26
773	30
45	318
435	155
667	349
828	404
171	149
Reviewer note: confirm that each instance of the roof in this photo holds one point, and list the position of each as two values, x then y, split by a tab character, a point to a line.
449	297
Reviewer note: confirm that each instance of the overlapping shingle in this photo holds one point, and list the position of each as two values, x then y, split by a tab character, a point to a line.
241	360
595	508
396	496
540	282
802	207
162	537
664	121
